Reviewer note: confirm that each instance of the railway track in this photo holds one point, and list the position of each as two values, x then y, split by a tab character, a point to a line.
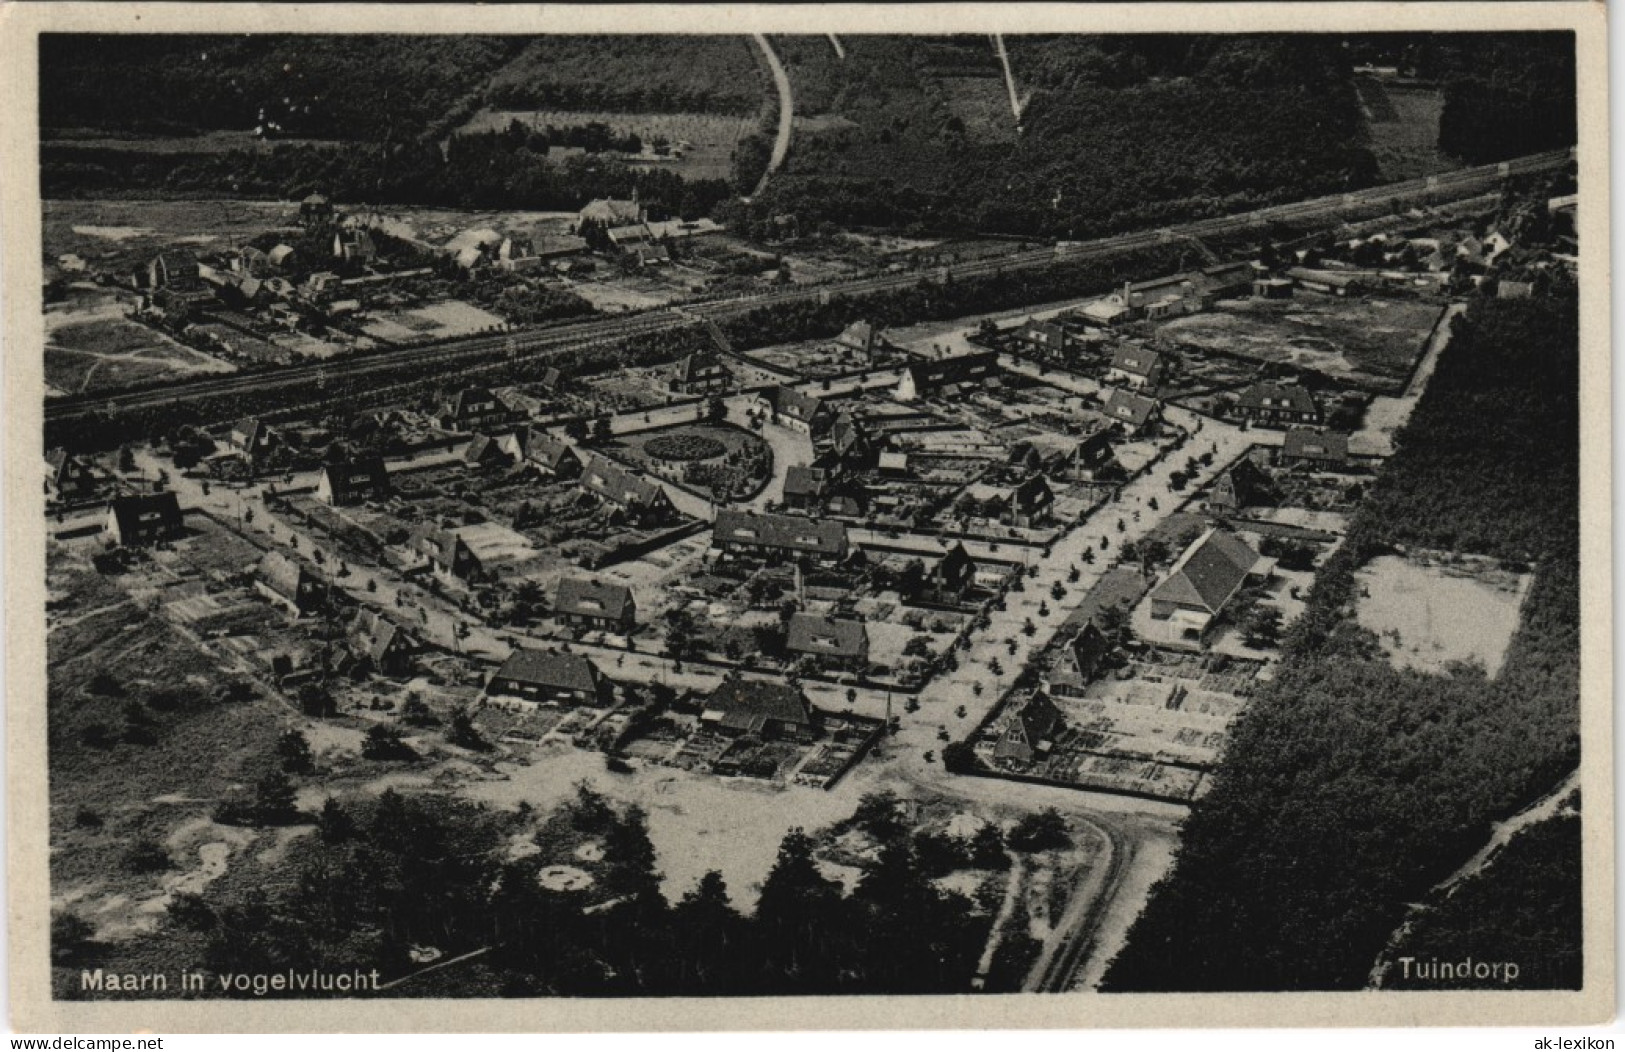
478	350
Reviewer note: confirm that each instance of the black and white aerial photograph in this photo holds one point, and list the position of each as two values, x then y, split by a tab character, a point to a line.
540	515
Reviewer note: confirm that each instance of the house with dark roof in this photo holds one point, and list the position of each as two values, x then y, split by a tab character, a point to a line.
445	554
1315	450
1091	460
953	575
1135	414
68	477
1031	732
143	518
1044	337
833	643
699	373
776	537
1244	486
816	491
1277	405
531	678
947	376
477	409
379	645
1138	367
768	710
1032	503
644	503
1206	579
850	447
797	410
253	437
1329	282
552	456
290	582
584	603
484	451
353	482
610	212
1079	663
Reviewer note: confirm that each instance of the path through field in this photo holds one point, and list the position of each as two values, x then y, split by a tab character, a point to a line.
781	142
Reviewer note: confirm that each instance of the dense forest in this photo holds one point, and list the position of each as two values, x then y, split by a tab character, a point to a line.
1119	132
1116	132
634	74
1350	787
379	876
1523	907
396	88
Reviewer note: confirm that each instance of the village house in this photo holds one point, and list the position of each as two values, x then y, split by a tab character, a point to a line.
1206	579
777	537
1137	367
1316	450
291	583
861	337
445	554
1044	337
477	409
797	411
1091	460
583	603
699	373
816	491
1277	405
1328	282
1135	414
1244	486
354	245
315	210
834	644
644	503
529	679
484	452
69	478
953	575
947	376
1079	663
252	437
143	518
892	464
610	212
850	448
1031	732
1031	503
764	709
379	645
352	482
552	456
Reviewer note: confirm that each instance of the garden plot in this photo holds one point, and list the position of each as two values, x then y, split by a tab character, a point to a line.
1431	611
496	545
433	321
1364	341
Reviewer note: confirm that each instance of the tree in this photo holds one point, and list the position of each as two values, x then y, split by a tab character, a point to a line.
146	856
71	936
799	923
1264	627
1044	831
716	409
987	846
602	429
275	799
576	429
463	733
708	935
959	757
334	824
384	742
293	749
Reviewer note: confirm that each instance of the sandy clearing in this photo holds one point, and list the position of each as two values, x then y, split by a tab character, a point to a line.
1428	615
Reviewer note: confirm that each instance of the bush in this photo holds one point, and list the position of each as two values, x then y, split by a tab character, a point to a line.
1044	831
146	856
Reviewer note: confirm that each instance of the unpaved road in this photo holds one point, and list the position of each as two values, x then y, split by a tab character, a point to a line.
781	141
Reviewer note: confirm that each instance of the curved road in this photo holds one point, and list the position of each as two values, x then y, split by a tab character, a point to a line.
781	142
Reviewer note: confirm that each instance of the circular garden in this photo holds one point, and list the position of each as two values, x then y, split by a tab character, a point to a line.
684	446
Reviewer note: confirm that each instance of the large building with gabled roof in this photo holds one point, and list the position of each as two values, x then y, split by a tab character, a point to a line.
1209	575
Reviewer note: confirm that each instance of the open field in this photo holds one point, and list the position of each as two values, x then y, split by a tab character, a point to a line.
1402	126
1372	341
111	353
436	320
1418	609
120	235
